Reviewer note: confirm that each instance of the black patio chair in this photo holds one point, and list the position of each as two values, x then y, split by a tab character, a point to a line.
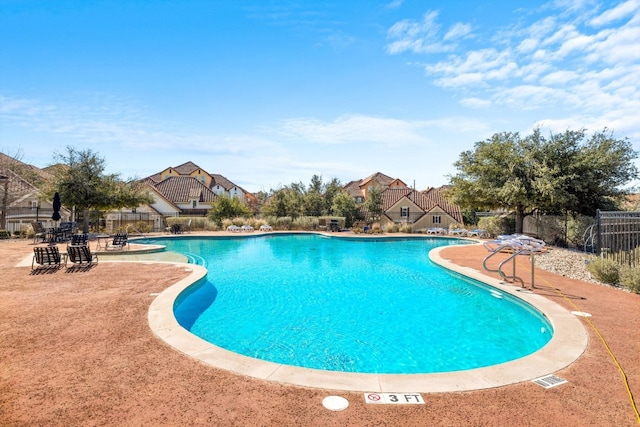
47	257
81	256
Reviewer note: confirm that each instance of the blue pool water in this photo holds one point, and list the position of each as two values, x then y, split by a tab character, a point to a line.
352	305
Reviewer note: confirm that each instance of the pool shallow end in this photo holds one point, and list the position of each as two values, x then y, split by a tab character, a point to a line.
567	344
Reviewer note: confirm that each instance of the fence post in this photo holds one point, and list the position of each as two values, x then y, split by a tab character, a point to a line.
598	233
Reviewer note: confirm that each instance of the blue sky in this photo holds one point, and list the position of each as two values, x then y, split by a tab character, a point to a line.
272	92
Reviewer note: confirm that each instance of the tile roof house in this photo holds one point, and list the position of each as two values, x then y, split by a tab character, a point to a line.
359	189
187	189
404	205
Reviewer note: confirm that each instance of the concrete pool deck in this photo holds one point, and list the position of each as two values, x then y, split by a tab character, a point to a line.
76	349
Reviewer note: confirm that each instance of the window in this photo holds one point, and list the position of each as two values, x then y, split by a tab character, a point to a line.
359	199
202	179
404	212
436	219
194	203
34	204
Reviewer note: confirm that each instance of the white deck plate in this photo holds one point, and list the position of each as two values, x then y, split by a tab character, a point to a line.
394	398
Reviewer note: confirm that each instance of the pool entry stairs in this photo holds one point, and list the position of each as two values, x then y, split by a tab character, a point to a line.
514	245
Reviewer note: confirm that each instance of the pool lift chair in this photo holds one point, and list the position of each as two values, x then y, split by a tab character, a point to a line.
514	245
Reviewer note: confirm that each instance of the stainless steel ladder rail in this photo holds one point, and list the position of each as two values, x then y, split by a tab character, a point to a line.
589	237
511	257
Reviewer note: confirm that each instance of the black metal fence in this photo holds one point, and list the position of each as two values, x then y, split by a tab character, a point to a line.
618	236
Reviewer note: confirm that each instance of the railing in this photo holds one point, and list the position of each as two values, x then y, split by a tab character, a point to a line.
618	237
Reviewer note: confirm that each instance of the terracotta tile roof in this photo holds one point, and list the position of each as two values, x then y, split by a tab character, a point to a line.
222	181
181	189
353	188
438	199
391	196
383	179
186	168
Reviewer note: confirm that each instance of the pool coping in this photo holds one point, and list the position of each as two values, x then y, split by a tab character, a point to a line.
568	343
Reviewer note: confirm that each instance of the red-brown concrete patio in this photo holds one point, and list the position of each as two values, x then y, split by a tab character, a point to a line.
76	349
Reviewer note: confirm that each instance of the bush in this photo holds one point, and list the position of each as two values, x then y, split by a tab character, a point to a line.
630	278
226	223
604	270
305	223
375	228
405	228
5	234
393	228
283	223
239	221
496	225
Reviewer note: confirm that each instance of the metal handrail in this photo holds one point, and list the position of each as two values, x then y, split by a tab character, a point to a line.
502	274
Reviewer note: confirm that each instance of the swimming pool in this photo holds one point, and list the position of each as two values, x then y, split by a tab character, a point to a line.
350	305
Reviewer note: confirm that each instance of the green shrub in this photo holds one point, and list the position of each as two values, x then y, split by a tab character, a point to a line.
604	270
5	234
305	223
283	223
496	225
239	221
405	228
393	228
630	278
226	223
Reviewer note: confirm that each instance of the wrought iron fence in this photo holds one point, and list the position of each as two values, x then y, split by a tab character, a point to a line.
618	236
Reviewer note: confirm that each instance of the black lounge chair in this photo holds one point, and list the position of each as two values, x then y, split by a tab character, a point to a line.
79	239
119	242
47	257
66	230
81	256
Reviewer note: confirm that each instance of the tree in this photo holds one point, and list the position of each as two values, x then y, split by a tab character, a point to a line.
314	203
562	174
373	204
227	207
344	205
82	182
330	191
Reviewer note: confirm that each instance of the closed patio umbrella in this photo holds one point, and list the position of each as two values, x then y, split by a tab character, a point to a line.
56	207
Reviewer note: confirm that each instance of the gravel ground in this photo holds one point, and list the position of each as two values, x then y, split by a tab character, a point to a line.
568	263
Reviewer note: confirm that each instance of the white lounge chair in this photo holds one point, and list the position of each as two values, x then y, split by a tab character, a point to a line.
460	232
266	227
437	231
478	232
246	228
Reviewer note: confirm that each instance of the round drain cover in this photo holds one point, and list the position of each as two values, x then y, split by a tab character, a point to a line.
335	403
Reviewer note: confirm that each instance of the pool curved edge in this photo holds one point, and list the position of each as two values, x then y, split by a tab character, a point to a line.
569	341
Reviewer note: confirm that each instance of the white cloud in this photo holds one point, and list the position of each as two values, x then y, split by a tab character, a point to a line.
395	4
619	12
527	45
587	76
476	68
476	102
353	129
558	78
423	36
458	30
